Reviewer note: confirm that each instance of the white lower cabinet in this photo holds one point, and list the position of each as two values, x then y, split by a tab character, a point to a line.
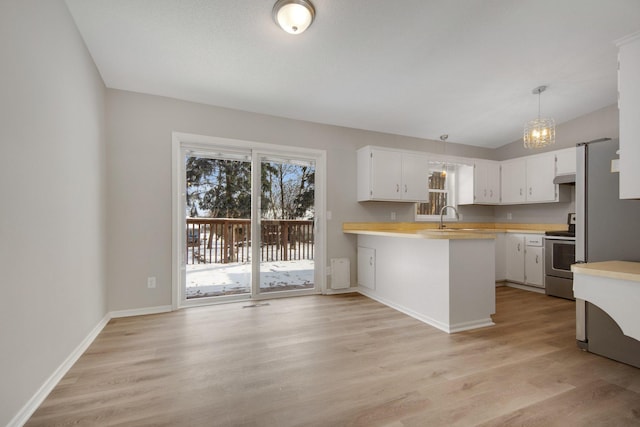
525	259
515	258
366	267
533	268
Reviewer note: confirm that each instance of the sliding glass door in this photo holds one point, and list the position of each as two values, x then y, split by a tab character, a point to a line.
218	225
287	213
249	225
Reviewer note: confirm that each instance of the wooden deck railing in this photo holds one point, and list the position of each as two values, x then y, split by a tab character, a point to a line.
225	240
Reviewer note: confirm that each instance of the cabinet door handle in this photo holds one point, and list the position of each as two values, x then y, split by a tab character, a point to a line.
371	261
397	188
521	191
518	247
537	259
405	188
529	190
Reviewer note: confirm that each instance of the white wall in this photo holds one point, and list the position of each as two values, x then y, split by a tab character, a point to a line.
52	192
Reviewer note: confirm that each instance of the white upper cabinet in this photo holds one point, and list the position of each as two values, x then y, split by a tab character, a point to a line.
629	106
514	181
540	172
566	161
391	175
415	172
480	183
387	174
533	267
529	179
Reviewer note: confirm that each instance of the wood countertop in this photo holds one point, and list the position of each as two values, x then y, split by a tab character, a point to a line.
448	234
622	270
429	230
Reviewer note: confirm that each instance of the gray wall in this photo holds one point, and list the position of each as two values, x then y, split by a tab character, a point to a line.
599	124
52	187
139	174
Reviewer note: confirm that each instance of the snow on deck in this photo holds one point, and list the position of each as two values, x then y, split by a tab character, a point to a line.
204	280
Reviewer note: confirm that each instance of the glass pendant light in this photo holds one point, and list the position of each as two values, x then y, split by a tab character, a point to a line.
539	132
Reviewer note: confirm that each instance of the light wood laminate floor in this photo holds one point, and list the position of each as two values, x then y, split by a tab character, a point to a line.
343	361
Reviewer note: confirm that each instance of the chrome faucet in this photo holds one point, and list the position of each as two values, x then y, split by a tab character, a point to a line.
444	208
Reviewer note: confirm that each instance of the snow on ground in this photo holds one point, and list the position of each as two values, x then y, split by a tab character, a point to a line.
204	280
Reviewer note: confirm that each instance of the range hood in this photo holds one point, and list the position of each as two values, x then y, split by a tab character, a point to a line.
565	179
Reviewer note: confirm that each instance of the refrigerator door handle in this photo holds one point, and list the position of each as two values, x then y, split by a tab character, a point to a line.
581	203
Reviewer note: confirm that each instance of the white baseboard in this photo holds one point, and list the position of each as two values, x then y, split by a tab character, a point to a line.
525	287
140	311
36	400
421	317
448	328
340	291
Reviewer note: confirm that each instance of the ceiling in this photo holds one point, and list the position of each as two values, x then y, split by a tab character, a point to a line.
418	68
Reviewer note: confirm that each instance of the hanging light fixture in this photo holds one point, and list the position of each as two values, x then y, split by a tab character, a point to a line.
539	132
294	16
444	138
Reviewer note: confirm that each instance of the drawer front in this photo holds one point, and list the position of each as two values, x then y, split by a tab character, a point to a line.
533	240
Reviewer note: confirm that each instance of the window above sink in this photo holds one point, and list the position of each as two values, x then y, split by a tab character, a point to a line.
441	178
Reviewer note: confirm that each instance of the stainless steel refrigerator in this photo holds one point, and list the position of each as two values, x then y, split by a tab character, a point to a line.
607	228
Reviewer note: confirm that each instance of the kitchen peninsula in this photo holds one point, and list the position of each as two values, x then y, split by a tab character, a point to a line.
445	278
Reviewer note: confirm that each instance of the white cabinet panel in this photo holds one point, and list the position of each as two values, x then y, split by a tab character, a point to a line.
533	266
501	257
492	182
540	171
415	169
629	106
525	259
479	184
566	161
366	267
515	258
514	181
386	174
465	176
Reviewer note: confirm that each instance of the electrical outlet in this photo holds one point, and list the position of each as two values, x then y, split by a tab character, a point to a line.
393	216
509	215
151	282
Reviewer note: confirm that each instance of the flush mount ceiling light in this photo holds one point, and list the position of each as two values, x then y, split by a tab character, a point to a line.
293	16
539	132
